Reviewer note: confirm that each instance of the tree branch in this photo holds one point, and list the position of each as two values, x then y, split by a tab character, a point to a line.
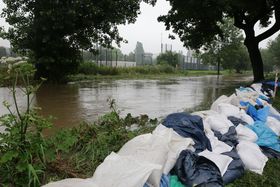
273	29
238	22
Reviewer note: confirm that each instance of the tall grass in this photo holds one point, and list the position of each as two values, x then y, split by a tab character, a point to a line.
90	68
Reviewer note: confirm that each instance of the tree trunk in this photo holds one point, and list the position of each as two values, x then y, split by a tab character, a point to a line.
255	56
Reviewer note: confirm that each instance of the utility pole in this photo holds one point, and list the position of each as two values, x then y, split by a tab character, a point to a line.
106	56
116	58
161	45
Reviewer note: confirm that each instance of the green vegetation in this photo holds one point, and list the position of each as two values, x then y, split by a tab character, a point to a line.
52	33
227	50
271	55
199	22
90	71
169	57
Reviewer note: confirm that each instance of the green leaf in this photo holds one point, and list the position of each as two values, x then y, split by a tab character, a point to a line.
8	156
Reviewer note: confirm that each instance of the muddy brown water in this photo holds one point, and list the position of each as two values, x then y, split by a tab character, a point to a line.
86	101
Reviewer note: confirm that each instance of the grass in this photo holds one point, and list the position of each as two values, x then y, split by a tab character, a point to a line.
90	71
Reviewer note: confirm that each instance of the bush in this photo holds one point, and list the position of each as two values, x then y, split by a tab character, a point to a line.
22	152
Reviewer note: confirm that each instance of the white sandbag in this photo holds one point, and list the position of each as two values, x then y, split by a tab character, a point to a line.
221	99
176	145
274	124
235	100
245	117
72	182
245	134
217	145
228	109
273	111
120	171
252	157
221	161
258	87
148	148
219	123
204	114
247	95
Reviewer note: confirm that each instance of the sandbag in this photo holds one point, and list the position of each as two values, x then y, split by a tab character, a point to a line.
274	125
204	114
193	169
217	145
72	182
219	123
164	182
235	169
189	126
252	157
245	134
176	145
245	117
148	148
221	161
228	109
221	99
266	137
119	171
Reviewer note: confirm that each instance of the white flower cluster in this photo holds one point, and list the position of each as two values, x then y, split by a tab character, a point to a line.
10	61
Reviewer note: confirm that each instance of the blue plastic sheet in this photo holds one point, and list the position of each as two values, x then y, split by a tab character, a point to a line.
266	137
260	114
189	126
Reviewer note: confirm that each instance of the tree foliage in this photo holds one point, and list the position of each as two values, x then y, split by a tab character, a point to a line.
227	49
271	55
199	22
169	58
53	32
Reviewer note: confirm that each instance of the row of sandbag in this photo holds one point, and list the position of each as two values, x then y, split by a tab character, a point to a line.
207	148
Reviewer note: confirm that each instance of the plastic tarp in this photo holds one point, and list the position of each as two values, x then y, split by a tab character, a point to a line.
174	182
176	145
193	169
221	161
230	138
245	134
236	121
266	136
151	149
252	157
258	114
189	126
270	153
235	169
72	182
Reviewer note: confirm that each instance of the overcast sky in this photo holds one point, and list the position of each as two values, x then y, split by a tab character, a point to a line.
146	30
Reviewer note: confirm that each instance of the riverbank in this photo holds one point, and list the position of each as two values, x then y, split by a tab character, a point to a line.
269	178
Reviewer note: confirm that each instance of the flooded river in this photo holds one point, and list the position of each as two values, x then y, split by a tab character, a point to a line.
70	104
